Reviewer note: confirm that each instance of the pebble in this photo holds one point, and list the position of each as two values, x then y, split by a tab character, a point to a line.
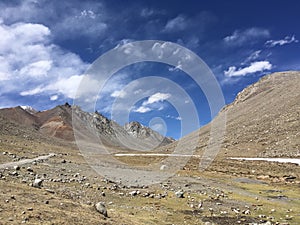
29	169
17	168
179	194
133	193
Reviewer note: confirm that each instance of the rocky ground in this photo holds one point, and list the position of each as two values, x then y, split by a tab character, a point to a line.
61	188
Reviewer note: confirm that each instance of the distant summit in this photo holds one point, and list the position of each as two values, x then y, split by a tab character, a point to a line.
29	109
138	130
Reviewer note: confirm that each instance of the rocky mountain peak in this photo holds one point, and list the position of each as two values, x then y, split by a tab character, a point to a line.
137	130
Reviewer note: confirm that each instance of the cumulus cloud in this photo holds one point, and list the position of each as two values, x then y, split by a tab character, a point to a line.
150	105
286	40
240	37
253	68
33	61
66	21
142	109
157	97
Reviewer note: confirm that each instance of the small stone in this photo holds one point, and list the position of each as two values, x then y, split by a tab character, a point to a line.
163	167
29	169
30	209
152	195
133	193
100	207
14	173
17	168
37	183
63	161
179	194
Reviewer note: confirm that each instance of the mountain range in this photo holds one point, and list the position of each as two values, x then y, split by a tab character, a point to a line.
263	121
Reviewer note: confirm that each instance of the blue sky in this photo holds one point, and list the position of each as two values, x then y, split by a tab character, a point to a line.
46	47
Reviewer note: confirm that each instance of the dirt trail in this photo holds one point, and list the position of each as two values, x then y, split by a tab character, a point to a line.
25	161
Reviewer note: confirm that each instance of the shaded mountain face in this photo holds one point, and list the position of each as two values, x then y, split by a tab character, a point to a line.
263	120
57	122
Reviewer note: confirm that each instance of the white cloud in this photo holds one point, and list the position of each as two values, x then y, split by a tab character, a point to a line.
37	69
240	37
118	94
29	58
174	117
253	56
67	20
54	97
178	23
66	86
176	68
34	91
157	97
286	40
142	109
253	68
153	103
88	13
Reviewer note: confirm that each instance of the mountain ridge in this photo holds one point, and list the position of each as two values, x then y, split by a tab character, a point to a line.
58	122
262	121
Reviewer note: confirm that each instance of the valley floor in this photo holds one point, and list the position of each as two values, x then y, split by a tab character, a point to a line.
228	192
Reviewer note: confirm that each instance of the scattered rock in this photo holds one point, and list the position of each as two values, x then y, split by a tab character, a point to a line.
37	183
29	169
100	207
163	167
133	193
17	168
179	194
14	173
